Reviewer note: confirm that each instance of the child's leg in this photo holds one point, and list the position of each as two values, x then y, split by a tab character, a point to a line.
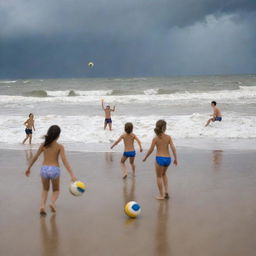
110	126
55	193
208	122
123	167
46	186
165	182
159	180
30	138
23	142
132	164
105	125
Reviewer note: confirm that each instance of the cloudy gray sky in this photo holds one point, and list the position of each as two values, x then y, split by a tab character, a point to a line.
56	38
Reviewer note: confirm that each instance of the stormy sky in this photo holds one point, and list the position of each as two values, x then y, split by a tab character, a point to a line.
56	38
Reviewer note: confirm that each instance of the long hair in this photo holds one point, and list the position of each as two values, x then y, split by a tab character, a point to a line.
160	127
52	134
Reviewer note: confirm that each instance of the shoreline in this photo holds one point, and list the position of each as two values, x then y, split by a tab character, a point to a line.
208	144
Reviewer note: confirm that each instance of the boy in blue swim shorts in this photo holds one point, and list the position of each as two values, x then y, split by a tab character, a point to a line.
107	110
30	124
129	152
162	142
216	116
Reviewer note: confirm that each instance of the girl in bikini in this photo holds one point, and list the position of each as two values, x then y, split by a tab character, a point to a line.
50	170
162	142
129	152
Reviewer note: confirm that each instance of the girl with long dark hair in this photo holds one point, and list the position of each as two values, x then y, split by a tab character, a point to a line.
50	170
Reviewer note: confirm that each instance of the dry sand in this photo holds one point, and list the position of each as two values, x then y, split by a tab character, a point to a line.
212	210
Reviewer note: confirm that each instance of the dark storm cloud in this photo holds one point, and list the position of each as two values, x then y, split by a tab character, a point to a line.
126	38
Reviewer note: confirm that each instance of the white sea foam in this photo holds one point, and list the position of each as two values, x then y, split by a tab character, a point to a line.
82	130
8	82
151	92
244	95
78	93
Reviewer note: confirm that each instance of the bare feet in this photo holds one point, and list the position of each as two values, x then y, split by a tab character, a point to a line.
160	197
166	196
125	176
53	208
43	212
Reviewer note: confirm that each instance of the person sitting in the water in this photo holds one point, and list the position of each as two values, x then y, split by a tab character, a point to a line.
216	116
107	110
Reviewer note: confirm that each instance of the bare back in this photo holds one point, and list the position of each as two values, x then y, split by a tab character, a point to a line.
163	142
128	142
51	154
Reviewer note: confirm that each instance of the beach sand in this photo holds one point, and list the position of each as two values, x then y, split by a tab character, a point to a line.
212	209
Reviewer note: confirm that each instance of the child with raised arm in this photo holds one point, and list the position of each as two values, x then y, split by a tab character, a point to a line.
107	110
129	152
29	123
50	170
162	142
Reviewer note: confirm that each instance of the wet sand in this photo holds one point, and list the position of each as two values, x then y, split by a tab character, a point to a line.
212	209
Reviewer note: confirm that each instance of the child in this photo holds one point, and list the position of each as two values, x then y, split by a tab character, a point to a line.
216	116
50	170
162	142
29	123
129	152
107	110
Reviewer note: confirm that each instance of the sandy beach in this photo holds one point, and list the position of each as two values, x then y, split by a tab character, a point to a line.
211	211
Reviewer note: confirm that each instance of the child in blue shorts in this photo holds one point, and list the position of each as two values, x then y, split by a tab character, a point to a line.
162	142
50	170
129	152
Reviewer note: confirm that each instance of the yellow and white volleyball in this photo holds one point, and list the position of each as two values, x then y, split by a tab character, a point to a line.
77	188
132	209
90	64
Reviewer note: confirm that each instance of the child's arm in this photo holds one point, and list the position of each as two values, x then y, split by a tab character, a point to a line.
66	163
113	109
33	160
34	126
120	138
151	149
25	123
139	142
173	148
102	104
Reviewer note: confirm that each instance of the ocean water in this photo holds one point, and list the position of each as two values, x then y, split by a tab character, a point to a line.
184	102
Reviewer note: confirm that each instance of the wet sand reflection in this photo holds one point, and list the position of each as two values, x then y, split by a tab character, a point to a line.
162	246
29	155
129	193
49	236
217	158
109	157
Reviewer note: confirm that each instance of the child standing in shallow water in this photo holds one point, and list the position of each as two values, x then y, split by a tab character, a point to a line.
50	170
162	142
29	123
129	152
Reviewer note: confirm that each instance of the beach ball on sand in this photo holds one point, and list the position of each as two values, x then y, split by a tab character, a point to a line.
90	64
77	188
132	209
